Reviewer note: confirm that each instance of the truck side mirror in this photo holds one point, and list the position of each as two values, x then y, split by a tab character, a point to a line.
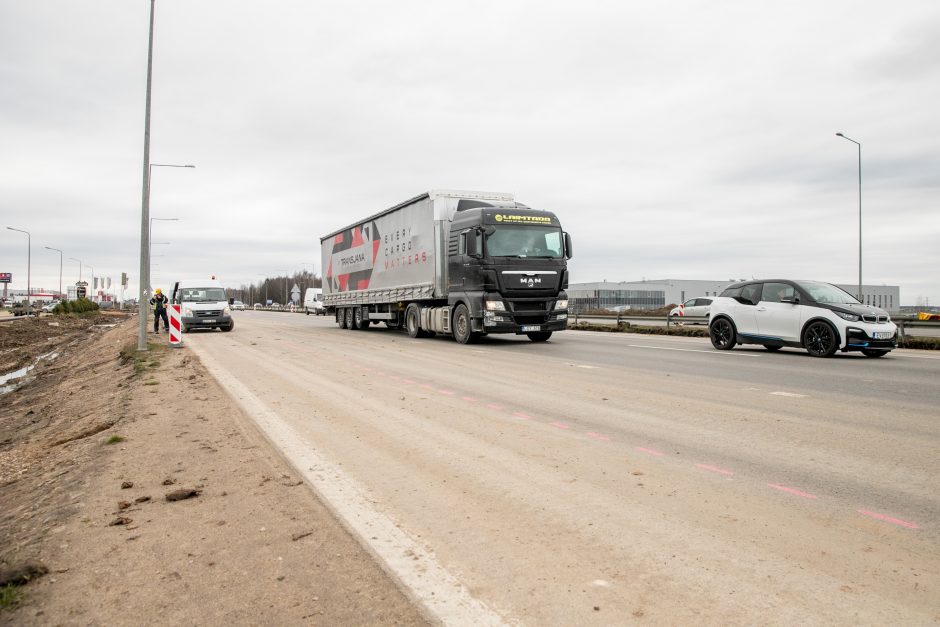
568	251
473	239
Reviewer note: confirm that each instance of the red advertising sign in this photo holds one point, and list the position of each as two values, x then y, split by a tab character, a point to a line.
6	277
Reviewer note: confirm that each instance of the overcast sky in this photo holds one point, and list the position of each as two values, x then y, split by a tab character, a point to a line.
688	140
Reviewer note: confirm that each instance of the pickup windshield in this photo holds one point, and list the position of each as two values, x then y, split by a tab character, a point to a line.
525	241
202	295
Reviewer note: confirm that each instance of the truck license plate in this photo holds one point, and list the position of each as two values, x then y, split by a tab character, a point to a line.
207	321
531	327
882	335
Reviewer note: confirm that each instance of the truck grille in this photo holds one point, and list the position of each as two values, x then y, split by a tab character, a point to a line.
215	313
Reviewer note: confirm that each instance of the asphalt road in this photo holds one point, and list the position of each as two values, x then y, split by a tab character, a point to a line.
600	478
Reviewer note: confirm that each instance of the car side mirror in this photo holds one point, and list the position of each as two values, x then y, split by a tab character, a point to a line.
793	300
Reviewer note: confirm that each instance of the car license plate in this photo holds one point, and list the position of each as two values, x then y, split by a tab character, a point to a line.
529	328
882	335
207	321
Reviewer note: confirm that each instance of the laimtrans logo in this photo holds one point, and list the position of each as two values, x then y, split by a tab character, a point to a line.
499	217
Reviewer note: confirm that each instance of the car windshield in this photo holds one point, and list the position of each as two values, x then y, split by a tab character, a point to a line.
826	293
525	241
202	295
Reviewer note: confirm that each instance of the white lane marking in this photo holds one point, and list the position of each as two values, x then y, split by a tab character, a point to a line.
443	596
789	394
692	350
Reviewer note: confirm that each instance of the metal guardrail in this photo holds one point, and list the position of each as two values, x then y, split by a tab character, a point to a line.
903	322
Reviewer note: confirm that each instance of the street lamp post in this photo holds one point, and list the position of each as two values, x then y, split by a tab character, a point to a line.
60	267
145	204
859	212
29	261
93	285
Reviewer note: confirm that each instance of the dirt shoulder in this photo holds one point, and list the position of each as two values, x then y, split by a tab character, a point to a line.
89	451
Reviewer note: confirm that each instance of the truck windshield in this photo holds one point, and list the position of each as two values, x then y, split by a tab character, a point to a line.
202	295
525	241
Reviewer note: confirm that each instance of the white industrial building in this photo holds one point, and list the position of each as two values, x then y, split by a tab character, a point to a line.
653	294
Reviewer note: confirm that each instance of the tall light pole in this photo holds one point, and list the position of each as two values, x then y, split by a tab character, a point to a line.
93	286
145	205
60	267
859	212
29	261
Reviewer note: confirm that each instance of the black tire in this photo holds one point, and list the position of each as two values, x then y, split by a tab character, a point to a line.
771	347
413	322
723	334
358	322
539	336
819	339
871	352
462	326
228	328
347	318
306	311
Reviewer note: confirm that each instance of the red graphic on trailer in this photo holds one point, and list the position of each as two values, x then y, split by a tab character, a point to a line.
354	251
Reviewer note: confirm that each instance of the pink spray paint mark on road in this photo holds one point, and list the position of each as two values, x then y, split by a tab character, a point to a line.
426	386
522	415
559	425
649	451
598	436
493	406
783	488
469	399
720	471
408	381
893	521
445	392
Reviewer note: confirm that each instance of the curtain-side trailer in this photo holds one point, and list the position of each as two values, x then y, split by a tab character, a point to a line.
454	262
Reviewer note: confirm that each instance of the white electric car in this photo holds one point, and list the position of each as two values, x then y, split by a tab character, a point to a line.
819	317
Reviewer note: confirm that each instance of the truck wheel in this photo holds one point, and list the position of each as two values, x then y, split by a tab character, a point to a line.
350	318
413	322
358	322
539	336
463	328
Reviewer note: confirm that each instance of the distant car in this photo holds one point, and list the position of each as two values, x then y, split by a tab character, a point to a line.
819	317
695	307
238	305
49	307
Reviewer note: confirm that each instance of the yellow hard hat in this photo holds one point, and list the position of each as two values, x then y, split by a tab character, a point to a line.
158	291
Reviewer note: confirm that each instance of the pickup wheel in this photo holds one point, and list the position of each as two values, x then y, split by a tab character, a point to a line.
463	326
413	321
539	336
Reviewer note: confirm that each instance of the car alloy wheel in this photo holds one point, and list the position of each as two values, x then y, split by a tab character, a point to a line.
819	339
721	333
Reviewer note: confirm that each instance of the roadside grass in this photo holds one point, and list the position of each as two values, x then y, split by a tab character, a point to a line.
10	595
143	360
114	439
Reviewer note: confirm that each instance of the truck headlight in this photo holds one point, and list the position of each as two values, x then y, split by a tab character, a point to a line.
226	311
187	312
561	304
495	305
848	316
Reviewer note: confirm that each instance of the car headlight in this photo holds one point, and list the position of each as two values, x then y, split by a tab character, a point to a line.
495	305
187	312
848	316
226	311
561	304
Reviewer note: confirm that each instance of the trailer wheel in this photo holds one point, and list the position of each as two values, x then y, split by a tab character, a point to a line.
341	318
350	320
413	321
463	327
358	322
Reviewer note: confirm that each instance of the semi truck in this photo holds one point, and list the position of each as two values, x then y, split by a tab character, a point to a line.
457	263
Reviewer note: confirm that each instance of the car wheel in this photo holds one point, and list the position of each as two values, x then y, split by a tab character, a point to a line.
463	326
819	339
413	322
228	328
539	336
722	334
771	347
868	352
